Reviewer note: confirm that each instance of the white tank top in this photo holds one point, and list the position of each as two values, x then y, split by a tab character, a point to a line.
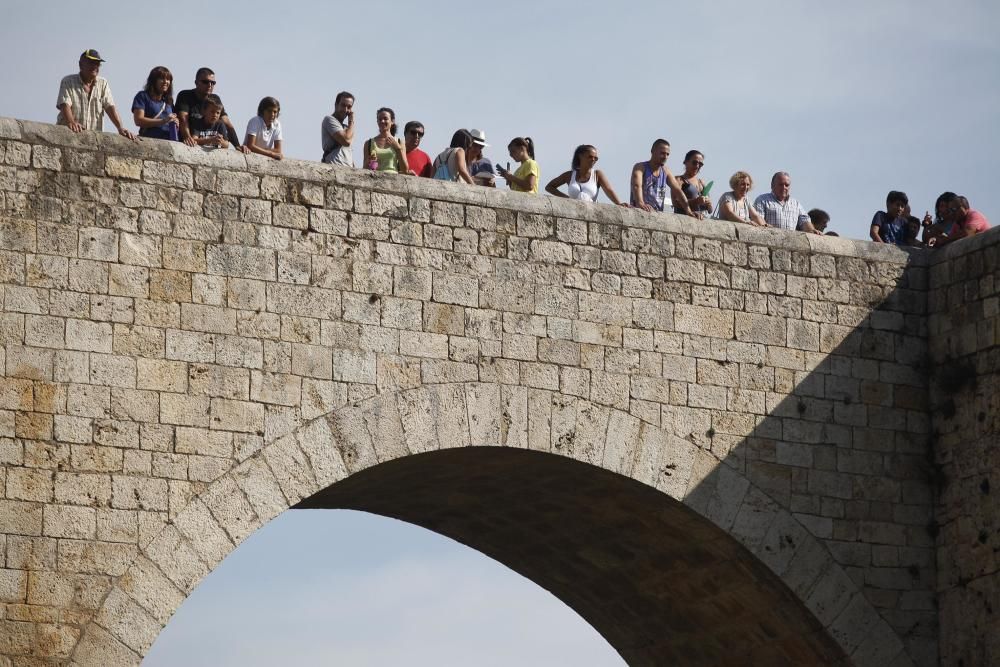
586	191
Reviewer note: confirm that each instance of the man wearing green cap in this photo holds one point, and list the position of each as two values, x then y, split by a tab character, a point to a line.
84	97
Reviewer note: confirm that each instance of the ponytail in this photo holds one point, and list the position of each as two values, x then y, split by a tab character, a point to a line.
525	142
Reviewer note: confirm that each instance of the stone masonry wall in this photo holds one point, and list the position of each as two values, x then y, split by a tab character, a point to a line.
965	401
167	312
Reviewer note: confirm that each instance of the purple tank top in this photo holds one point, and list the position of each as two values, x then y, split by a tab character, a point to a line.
654	191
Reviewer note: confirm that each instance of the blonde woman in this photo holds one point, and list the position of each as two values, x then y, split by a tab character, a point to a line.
734	205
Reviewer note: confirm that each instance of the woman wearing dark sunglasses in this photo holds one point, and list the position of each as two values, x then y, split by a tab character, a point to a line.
584	180
693	187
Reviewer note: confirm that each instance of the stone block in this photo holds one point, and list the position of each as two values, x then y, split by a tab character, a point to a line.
456	289
704	321
88	336
241	416
70	521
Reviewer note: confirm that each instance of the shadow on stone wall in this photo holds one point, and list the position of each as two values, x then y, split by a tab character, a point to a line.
660	583
841	443
964	319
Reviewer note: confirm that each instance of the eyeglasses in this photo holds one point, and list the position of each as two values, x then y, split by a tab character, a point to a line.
415	133
698	164
207	82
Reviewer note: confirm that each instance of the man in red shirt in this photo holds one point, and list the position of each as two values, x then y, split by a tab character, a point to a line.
419	161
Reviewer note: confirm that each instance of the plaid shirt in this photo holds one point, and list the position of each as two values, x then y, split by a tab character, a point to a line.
783	215
88	109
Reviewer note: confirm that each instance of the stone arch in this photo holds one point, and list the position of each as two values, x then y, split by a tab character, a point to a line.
819	612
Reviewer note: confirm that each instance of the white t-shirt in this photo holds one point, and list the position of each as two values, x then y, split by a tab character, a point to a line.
265	136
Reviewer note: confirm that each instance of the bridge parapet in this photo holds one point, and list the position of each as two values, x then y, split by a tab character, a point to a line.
171	316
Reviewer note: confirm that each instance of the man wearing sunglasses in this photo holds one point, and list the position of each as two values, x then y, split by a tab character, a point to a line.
85	97
191	115
418	161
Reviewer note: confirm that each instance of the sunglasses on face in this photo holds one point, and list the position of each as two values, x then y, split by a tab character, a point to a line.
416	133
698	164
207	82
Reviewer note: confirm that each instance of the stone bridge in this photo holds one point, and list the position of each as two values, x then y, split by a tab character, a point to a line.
715	443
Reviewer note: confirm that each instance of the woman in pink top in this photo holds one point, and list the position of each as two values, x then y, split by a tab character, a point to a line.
964	221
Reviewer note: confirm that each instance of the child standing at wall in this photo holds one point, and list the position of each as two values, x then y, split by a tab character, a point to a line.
527	176
889	226
263	134
209	131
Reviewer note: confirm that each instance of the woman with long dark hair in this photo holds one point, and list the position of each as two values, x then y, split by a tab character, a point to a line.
450	164
384	152
583	181
153	106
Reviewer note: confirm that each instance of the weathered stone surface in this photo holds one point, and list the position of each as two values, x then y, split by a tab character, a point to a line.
219	338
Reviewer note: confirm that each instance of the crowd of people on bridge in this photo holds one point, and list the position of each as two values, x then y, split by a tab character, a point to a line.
198	118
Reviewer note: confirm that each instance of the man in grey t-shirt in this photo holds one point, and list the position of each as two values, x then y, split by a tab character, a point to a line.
338	131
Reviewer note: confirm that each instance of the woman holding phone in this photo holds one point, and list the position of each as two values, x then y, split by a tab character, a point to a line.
525	179
583	181
693	187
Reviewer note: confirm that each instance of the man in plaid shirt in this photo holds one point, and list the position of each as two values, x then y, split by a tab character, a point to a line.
779	209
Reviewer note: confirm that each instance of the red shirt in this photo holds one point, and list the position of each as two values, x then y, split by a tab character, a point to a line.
420	162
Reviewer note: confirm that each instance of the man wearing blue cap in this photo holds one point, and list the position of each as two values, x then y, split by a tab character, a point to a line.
85	97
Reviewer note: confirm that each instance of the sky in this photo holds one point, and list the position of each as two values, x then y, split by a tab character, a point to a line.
853	98
337	587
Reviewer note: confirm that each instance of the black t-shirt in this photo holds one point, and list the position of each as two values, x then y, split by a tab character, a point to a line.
201	129
188	102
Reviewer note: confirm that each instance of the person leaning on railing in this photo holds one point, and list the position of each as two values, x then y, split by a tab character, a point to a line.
85	97
153	107
583	181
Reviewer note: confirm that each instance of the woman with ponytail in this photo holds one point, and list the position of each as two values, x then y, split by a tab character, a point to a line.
583	181
527	176
384	152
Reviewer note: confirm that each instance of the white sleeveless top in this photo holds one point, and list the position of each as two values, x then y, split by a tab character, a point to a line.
586	191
